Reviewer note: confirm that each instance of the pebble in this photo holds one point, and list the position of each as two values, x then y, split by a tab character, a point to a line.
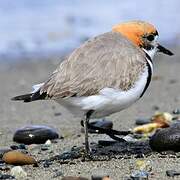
155	108
130	138
159	120
6	176
106	142
166	139
100	177
47	146
57	174
146	128
47	163
73	178
164	119
57	114
106	178
144	165
172	81
139	175
103	124
172	173
18	172
176	111
141	121
4	167
73	154
35	134
99	174
48	142
3	151
20	146
106	124
18	158
44	147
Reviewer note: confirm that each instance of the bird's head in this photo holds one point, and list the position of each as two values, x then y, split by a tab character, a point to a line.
143	35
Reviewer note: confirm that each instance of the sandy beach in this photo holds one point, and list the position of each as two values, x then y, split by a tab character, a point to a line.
17	77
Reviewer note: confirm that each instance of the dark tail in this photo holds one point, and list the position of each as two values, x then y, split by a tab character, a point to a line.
25	98
30	97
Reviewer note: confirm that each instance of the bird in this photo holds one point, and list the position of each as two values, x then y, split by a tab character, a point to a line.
105	74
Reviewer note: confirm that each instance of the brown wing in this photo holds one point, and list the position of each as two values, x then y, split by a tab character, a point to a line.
108	60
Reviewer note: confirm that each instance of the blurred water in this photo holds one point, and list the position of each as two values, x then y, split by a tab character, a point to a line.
44	27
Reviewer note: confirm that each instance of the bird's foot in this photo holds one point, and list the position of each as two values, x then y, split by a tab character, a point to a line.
87	155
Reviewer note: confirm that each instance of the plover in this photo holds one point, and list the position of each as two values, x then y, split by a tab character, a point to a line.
105	75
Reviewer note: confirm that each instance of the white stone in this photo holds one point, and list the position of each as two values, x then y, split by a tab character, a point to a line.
18	172
48	142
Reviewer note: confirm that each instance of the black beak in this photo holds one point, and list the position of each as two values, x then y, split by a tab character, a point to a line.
164	50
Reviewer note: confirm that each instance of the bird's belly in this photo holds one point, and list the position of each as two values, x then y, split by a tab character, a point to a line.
110	108
103	105
108	100
112	102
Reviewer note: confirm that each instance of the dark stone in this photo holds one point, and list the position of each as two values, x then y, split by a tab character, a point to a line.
74	153
176	111
140	175
3	151
44	147
6	176
20	146
35	134
73	178
47	163
173	81
14	147
172	173
155	108
69	155
103	124
166	139
141	121
106	143
100	124
4	167
57	114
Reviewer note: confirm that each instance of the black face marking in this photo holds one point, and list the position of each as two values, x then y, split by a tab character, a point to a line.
149	75
156	33
148	57
147	39
151	37
148	46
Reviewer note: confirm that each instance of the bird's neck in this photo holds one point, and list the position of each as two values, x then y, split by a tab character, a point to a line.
150	52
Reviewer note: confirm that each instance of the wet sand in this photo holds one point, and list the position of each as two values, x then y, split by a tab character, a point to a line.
17	78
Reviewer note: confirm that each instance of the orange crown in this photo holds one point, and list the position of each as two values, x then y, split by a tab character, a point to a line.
135	30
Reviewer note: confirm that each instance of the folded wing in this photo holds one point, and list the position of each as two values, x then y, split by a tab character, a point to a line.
108	60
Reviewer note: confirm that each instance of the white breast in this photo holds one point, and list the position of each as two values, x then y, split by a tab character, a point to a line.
108	100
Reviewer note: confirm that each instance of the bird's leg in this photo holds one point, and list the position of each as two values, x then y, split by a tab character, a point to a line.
87	150
86	122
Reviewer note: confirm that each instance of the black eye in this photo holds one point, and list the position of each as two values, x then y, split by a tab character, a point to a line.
150	37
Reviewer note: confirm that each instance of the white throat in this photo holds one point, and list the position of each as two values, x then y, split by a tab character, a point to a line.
151	52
